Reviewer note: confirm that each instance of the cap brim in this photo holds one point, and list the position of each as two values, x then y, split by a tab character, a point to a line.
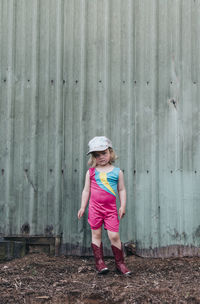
97	150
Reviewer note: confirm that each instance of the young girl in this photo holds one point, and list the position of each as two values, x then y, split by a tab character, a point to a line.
102	183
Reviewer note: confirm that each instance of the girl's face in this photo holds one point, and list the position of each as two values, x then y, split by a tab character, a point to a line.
102	157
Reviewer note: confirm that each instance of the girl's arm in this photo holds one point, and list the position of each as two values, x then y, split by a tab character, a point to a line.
122	194
85	195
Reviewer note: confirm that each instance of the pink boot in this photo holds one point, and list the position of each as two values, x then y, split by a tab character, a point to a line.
98	255
119	260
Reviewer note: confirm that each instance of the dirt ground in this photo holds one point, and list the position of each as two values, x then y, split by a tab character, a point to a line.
38	278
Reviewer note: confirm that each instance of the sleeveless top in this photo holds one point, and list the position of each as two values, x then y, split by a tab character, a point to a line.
103	188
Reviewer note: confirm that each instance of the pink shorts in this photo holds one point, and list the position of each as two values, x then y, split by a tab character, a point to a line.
96	218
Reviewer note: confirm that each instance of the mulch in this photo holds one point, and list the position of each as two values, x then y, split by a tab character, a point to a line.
38	278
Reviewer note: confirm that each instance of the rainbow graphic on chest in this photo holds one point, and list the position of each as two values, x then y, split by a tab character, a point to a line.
102	181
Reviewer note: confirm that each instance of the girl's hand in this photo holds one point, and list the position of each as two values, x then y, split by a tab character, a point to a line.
81	212
121	212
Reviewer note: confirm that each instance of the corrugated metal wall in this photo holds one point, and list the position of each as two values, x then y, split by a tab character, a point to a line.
73	69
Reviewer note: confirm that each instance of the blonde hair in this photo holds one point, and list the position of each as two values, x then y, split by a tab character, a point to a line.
92	159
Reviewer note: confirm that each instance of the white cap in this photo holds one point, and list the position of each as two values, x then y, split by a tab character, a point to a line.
99	143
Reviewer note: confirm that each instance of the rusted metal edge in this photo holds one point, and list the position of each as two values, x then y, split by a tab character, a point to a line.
169	252
131	249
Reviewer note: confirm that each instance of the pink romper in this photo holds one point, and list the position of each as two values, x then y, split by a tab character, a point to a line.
102	205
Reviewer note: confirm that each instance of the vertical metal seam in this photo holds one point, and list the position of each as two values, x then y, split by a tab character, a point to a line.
10	112
82	102
34	110
58	114
158	123
21	106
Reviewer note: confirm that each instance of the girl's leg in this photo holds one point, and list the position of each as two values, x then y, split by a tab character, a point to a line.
97	248
114	238
118	252
96	236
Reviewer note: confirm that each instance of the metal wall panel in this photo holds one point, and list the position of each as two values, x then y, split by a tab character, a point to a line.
73	69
